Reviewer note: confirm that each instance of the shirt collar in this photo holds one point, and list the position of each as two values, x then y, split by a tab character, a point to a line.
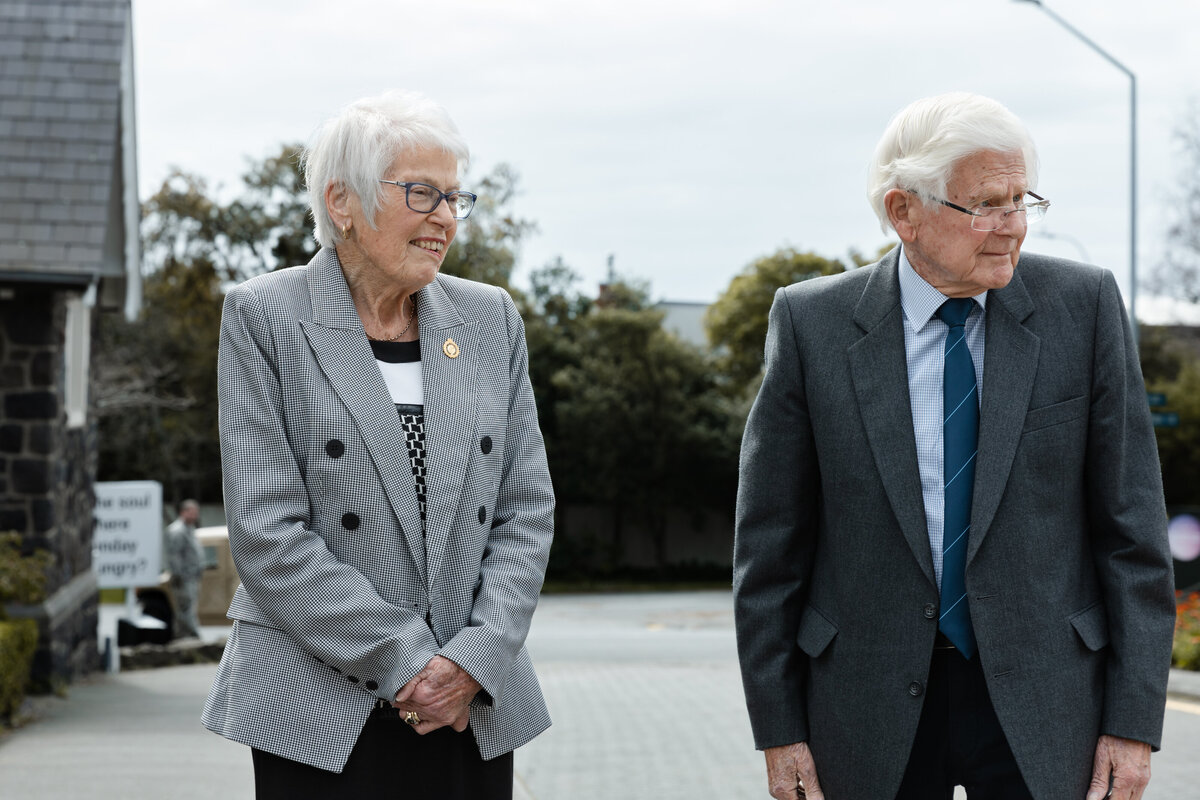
919	299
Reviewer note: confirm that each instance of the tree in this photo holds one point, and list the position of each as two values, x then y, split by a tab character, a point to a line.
1172	369
273	211
643	420
553	311
737	321
265	228
156	389
633	418
484	248
1178	448
1179	273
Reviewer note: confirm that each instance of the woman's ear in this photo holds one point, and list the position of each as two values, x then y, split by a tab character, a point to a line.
900	207
337	201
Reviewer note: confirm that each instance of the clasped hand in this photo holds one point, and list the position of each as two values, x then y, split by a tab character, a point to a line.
440	695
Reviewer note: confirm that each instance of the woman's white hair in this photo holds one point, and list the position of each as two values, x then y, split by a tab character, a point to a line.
356	147
924	142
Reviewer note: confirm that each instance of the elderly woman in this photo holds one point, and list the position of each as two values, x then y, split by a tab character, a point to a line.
389	506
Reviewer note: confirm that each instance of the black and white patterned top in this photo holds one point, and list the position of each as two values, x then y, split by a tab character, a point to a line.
400	363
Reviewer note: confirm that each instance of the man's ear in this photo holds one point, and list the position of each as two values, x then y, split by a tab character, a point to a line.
900	206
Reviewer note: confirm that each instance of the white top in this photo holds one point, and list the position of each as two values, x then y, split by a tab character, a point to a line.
400	364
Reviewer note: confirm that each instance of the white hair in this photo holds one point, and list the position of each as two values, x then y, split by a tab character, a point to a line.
924	142
355	148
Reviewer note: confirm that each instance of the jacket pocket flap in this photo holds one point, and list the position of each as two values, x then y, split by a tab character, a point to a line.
816	632
1092	626
243	609
1055	414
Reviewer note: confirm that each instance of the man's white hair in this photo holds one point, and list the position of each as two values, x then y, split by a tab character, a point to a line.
356	147
924	142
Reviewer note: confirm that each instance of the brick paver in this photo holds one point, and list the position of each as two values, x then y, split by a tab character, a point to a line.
644	690
631	731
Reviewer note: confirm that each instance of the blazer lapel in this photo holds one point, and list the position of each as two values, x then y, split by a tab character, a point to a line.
1010	365
879	370
449	367
344	354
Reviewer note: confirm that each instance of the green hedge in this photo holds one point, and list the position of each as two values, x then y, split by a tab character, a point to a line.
18	640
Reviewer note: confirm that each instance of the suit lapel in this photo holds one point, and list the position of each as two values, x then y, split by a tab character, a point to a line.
1010	365
879	370
449	367
344	354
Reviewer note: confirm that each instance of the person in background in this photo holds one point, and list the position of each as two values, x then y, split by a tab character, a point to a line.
185	562
951	562
389	504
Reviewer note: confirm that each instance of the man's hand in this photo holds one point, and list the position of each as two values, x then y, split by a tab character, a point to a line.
440	695
791	772
1127	761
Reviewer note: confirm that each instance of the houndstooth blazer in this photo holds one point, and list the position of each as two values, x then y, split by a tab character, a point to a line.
343	600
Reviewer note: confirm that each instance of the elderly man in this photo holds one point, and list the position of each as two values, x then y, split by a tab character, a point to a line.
951	563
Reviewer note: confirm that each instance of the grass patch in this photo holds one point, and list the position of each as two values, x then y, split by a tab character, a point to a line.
112	596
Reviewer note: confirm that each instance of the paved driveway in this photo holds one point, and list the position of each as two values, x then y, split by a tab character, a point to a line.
644	690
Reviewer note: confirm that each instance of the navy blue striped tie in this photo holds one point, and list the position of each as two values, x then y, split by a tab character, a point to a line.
960	438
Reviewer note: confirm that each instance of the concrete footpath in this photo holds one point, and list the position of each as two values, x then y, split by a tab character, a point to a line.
644	690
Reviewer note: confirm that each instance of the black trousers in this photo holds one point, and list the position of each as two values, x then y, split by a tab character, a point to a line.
959	741
390	760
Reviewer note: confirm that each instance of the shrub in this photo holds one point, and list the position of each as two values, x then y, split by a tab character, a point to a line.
22	580
18	641
1186	652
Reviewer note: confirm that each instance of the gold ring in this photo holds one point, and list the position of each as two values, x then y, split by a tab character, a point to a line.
412	718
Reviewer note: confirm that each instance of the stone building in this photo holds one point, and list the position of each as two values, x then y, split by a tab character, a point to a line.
69	252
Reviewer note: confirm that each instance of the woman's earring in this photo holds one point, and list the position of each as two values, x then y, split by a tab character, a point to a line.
346	231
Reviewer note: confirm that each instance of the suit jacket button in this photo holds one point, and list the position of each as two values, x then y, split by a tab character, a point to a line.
352	679
482	515
930	611
334	448
485	444
915	689
372	685
350	521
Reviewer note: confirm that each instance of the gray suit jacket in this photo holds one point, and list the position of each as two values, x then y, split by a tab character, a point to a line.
1068	570
342	598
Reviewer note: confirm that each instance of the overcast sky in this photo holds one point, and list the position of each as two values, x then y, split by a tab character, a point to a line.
689	137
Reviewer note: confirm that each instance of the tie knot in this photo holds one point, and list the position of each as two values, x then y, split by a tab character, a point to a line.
954	312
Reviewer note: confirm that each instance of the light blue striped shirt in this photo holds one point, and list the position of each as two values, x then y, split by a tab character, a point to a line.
924	349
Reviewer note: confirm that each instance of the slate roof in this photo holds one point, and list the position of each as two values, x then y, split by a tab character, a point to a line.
61	186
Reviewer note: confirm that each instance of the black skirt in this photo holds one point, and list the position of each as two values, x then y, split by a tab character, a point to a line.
391	760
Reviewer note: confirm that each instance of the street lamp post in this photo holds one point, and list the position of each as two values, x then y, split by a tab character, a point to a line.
1132	156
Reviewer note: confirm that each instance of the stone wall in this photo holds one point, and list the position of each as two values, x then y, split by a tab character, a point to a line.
46	474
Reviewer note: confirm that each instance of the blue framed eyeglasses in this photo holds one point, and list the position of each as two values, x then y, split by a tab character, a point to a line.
424	199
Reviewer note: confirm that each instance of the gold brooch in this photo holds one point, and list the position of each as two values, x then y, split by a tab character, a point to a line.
450	348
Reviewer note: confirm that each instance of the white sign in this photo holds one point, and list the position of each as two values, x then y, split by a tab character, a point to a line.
127	548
